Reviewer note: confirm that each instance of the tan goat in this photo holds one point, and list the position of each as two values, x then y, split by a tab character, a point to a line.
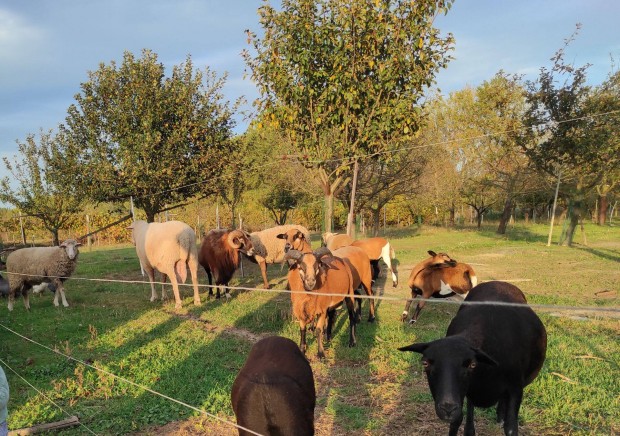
355	257
320	272
439	275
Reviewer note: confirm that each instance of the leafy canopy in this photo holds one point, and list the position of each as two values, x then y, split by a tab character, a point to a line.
139	133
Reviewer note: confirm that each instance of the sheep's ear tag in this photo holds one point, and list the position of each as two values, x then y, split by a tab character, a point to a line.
416	348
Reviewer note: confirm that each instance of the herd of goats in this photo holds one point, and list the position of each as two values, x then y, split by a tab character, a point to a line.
494	346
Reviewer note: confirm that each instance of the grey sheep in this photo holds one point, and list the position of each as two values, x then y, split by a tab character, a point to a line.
269	249
28	267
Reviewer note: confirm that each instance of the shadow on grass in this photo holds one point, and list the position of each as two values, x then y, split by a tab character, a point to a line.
607	254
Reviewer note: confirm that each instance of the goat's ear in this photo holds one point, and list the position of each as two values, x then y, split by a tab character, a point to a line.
281	236
432	253
481	356
416	348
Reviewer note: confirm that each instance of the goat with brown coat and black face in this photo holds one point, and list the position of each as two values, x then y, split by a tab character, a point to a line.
320	272
490	353
219	255
356	259
274	392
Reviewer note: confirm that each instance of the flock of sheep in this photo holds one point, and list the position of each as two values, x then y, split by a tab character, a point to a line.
490	353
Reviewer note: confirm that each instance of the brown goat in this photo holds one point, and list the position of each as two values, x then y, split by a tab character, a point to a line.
378	248
334	241
355	257
219	255
439	277
320	272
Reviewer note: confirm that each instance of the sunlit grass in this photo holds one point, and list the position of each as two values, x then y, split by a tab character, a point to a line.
194	355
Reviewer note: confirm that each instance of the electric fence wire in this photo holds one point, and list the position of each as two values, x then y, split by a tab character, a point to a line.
123	379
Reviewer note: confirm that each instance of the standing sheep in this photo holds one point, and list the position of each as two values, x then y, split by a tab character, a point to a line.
32	266
274	391
490	353
269	249
169	248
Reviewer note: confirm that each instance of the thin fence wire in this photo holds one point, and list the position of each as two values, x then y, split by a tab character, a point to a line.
448	301
43	395
124	380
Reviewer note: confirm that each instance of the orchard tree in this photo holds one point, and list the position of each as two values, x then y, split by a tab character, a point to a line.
42	182
136	132
604	137
343	78
557	142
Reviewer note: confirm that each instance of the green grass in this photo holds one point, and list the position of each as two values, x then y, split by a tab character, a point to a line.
194	355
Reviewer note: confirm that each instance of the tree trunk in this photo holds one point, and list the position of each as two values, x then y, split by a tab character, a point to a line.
329	212
55	240
503	222
479	218
351	216
452	215
602	210
376	221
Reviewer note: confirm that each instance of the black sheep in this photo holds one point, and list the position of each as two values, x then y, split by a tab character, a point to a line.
274	391
490	353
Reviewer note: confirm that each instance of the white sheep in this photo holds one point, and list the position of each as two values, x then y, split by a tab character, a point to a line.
28	267
169	248
268	248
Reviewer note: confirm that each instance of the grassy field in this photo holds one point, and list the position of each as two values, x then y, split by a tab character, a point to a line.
194	355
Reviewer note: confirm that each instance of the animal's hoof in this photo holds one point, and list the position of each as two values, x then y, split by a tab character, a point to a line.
267	286
65	304
320	355
197	302
371	319
413	321
394	284
352	344
178	306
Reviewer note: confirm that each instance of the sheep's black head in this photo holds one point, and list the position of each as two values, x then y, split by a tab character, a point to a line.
449	364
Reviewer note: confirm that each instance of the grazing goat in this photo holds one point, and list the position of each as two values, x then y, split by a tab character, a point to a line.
422	283
268	248
31	266
378	248
333	241
219	255
169	248
320	272
355	257
274	391
490	353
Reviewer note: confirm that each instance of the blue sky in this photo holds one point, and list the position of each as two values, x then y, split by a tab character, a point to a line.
47	47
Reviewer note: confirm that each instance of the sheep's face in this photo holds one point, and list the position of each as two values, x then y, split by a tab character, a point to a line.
240	240
294	240
449	364
440	259
309	269
71	248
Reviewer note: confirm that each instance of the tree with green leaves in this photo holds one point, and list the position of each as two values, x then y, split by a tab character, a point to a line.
343	79
136	132
557	142
45	182
604	137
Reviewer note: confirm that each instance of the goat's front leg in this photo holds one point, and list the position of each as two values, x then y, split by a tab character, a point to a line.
318	332
302	337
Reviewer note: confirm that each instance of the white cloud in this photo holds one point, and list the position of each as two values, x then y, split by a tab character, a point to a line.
21	43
